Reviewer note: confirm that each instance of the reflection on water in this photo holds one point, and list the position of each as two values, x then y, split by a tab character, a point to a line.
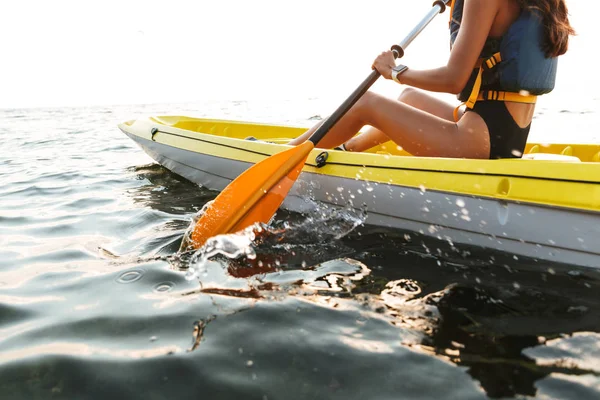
167	192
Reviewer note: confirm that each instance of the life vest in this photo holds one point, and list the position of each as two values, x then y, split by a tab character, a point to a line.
510	68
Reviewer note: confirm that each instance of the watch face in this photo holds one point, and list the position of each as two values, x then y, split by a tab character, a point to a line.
399	68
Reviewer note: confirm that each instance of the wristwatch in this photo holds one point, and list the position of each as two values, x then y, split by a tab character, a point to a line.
397	70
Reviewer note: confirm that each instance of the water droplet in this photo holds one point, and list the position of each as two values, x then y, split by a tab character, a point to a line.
460	203
250	253
130	276
370	188
249	363
191	274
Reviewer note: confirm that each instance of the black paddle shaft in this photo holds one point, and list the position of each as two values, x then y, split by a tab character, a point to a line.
439	6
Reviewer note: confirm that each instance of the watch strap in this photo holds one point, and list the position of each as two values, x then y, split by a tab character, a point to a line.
397	70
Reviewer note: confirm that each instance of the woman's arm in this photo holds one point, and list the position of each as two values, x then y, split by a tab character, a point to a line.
478	17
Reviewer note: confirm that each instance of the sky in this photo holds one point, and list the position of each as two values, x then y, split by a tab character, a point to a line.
72	53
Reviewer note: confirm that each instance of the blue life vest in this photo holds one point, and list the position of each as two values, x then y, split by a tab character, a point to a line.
512	67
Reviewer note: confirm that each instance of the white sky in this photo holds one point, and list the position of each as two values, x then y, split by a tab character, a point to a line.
64	52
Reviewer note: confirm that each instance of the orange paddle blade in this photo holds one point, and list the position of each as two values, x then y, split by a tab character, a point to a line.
254	196
265	208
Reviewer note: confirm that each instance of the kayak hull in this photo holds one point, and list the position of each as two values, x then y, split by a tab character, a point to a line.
548	232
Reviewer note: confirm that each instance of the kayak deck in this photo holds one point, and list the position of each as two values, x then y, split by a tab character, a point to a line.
281	134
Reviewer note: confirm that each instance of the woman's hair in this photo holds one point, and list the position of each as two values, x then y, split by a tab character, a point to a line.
556	24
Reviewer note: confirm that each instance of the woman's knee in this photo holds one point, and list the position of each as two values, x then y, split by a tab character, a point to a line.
409	95
367	101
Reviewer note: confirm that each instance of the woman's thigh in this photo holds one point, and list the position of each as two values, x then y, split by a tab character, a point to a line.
428	130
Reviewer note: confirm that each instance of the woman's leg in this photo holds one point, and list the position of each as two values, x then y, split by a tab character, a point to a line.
419	132
372	137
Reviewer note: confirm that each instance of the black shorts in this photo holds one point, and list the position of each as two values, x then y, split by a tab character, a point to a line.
507	139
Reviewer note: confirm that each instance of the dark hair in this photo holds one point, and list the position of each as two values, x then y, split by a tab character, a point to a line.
556	24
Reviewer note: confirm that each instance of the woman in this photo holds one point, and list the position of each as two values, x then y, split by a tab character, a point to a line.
426	126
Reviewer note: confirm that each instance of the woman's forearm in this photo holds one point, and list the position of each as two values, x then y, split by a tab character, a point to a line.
450	78
434	80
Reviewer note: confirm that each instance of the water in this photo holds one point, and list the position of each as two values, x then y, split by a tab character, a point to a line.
96	303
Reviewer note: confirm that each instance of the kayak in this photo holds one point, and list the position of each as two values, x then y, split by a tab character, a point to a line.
545	205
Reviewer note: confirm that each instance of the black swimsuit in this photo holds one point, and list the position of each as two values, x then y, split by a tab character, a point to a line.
507	139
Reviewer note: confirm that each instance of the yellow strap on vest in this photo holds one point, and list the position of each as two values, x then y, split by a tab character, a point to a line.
481	65
493	60
475	92
455	112
499	95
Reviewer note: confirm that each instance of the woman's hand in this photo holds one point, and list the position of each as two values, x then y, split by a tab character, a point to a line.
384	64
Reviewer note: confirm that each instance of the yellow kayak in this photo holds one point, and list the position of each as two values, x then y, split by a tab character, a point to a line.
545	205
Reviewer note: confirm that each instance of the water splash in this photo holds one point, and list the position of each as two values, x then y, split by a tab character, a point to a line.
321	227
231	246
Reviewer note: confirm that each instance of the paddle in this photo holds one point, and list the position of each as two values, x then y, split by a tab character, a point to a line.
256	194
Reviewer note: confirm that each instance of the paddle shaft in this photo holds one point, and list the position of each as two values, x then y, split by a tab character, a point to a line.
439	6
